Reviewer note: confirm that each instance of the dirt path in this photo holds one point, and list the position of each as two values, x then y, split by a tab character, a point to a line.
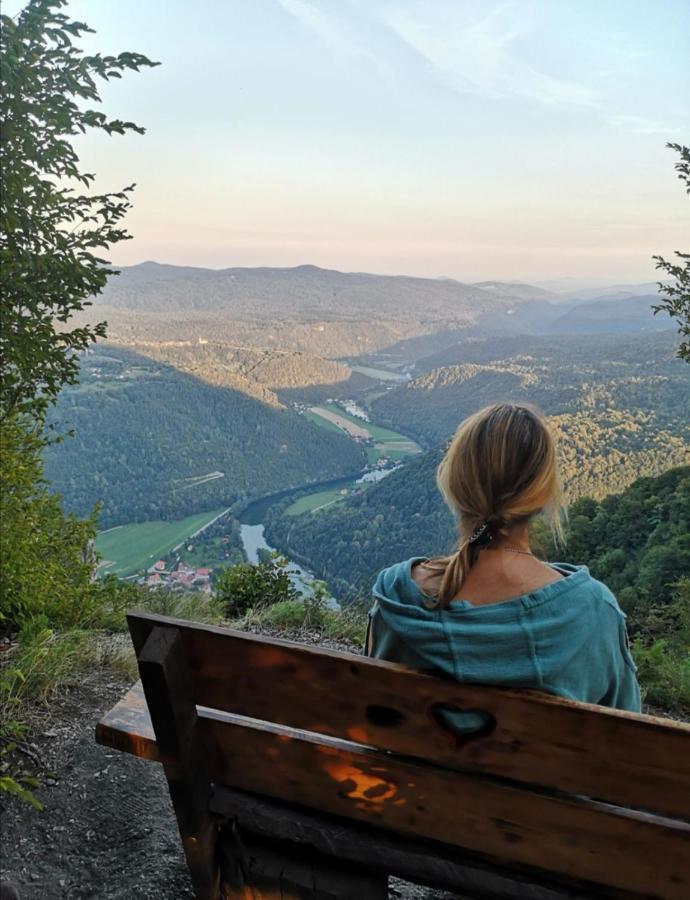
107	831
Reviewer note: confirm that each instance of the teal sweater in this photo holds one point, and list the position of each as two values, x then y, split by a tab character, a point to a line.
567	638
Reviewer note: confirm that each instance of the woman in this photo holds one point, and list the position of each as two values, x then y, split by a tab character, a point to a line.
491	612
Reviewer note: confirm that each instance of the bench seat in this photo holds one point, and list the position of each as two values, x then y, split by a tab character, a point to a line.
284	758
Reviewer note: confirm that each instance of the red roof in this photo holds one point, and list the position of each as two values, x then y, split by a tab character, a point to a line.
203	571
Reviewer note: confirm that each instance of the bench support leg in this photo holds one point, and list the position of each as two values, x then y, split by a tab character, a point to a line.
255	869
169	694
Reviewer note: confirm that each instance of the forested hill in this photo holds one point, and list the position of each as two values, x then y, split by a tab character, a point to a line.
620	405
302	293
151	442
399	517
637	541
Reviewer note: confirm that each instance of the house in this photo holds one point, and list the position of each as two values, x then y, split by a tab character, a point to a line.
183	579
153	580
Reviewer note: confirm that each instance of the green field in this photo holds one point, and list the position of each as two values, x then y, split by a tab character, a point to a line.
312	502
321	422
130	548
387	442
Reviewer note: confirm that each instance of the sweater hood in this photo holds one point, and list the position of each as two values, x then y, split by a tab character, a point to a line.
517	642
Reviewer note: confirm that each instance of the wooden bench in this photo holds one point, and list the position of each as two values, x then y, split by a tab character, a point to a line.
299	772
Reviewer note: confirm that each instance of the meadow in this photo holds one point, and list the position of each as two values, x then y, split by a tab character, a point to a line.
127	549
312	502
388	443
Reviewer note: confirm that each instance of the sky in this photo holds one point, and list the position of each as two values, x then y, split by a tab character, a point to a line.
463	138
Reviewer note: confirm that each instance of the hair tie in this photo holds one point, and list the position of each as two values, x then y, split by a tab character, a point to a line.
481	531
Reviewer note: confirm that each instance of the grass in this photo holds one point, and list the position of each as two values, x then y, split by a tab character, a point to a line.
312	502
389	439
295	617
373	455
321	422
131	548
392	452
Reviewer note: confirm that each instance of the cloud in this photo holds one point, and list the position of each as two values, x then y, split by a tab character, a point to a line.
643	125
477	51
473	47
334	31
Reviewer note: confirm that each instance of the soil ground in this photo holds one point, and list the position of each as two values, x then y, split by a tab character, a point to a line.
107	831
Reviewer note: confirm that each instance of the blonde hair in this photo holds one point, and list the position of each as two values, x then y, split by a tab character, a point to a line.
500	470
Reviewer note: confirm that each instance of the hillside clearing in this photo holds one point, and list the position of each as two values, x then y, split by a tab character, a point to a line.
312	502
348	424
131	548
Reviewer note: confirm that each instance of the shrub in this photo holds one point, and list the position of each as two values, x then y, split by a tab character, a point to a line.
664	675
246	586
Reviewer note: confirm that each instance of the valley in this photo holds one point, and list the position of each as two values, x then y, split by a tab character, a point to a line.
291	393
133	549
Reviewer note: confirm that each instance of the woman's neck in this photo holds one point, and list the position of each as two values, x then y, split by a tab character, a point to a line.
516	538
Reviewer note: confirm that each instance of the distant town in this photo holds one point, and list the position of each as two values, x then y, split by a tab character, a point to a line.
179	577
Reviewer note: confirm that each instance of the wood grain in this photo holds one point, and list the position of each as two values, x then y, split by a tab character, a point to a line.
423	862
127	726
623	758
578	838
275	872
503	823
169	695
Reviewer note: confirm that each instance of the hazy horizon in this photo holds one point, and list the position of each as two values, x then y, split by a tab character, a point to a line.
565	282
473	140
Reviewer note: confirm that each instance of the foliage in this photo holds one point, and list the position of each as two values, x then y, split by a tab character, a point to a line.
44	661
620	406
192	605
636	542
246	586
46	568
15	778
51	227
663	674
677	294
309	614
662	650
347	544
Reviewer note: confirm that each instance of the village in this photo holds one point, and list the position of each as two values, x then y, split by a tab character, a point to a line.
179	576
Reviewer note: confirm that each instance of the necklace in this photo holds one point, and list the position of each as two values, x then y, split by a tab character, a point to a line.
513	550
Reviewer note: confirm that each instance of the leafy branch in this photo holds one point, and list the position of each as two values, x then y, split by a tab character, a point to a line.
676	301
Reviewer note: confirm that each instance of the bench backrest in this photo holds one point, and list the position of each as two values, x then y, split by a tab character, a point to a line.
591	794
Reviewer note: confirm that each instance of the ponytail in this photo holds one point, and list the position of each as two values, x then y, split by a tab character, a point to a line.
499	471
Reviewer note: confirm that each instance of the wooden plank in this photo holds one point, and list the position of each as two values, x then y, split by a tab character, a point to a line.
127	726
578	838
275	872
273	750
435	865
169	696
619	757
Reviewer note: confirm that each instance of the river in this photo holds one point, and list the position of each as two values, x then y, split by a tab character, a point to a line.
252	528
